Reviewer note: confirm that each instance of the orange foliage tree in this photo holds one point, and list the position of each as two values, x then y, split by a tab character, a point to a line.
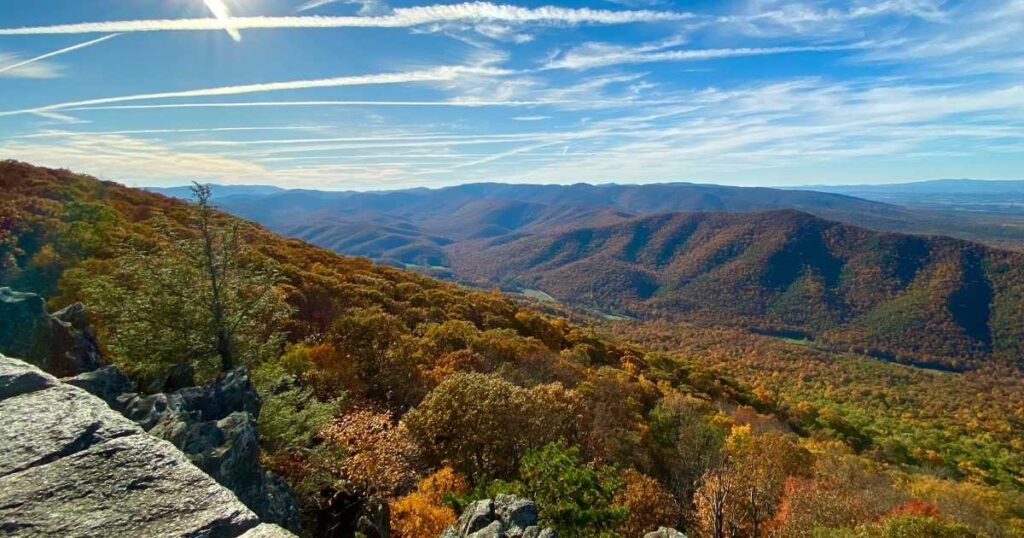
423	512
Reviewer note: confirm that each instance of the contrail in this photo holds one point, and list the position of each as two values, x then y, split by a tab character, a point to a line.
399	18
437	74
6	68
244	104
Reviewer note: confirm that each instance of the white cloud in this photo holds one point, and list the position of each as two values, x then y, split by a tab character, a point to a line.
437	74
602	56
117	157
470	12
531	118
773	17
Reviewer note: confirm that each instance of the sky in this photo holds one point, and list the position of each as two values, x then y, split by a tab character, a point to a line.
386	94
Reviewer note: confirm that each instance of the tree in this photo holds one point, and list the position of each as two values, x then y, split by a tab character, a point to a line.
574	498
423	512
649	504
197	295
381	458
483	424
739	495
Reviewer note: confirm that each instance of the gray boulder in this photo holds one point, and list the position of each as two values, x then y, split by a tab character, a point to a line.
267	530
108	383
131	486
18	377
214	425
62	343
665	532
506	516
45	425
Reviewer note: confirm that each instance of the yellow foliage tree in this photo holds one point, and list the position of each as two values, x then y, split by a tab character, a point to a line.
422	512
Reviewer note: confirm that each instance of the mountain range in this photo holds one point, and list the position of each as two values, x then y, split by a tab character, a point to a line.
822	266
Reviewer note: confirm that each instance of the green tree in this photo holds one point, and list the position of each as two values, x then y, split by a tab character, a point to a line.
197	295
575	499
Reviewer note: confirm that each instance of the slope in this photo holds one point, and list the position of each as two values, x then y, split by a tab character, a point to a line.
915	299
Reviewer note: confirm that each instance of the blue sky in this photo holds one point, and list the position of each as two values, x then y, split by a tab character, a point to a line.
381	94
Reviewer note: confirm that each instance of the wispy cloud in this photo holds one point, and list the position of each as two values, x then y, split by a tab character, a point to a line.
366	7
117	157
17	68
592	57
470	12
38	69
772	17
437	74
60	133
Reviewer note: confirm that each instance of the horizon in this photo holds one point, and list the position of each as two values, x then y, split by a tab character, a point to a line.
376	95
588	183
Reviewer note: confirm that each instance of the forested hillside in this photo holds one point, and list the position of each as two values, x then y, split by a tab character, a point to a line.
914	299
413	220
391	400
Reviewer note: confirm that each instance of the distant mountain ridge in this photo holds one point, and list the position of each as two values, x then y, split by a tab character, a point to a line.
415	227
915	299
931	186
1000	202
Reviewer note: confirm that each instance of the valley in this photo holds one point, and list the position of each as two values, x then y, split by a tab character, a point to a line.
387	381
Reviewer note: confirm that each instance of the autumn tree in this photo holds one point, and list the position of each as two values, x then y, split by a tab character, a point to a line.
648	503
424	512
382	459
376	344
483	424
739	496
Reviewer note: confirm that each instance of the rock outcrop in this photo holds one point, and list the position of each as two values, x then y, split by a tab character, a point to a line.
214	425
506	516
71	466
61	344
665	532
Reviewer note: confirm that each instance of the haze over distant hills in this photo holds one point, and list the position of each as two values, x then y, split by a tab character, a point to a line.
974	195
815	264
416	226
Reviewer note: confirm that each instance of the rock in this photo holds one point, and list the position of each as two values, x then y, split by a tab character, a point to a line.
145	410
477	515
130	486
108	383
42	426
214	425
19	377
267	530
61	344
494	530
183	375
507	516
225	395
665	532
516	513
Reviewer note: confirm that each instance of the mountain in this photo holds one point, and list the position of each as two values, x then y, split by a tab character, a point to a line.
934	186
920	300
391	390
423	225
990	202
220	191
